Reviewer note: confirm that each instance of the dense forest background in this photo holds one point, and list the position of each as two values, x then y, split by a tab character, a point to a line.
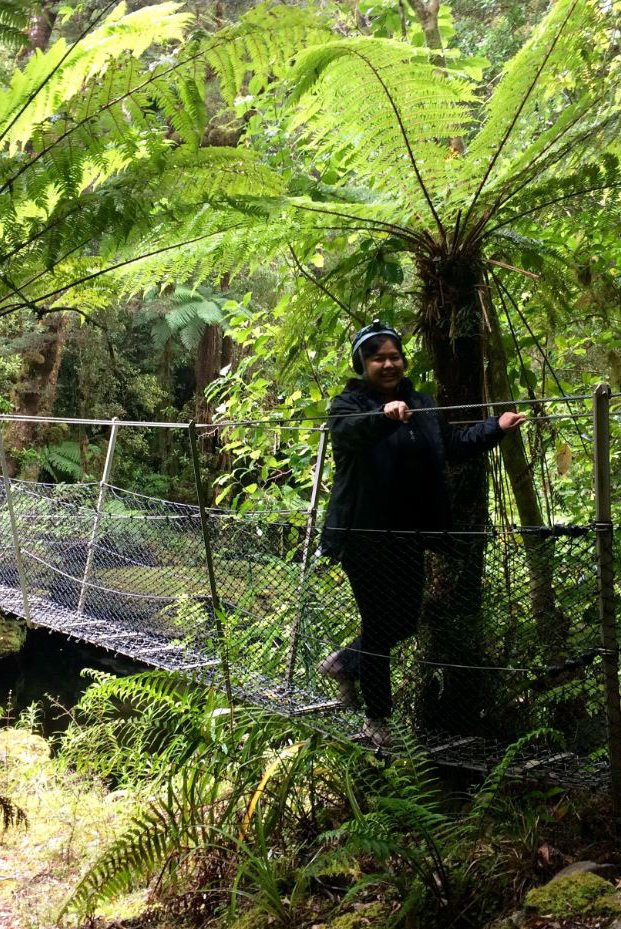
232	336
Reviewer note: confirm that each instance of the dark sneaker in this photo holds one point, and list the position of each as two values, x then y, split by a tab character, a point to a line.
346	684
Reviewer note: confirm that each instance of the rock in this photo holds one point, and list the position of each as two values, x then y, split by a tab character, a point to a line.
607	871
515	921
579	894
12	635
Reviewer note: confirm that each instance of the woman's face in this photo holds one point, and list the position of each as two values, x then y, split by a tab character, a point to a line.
384	368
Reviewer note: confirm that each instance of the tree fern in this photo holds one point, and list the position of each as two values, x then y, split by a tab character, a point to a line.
51	79
13	21
63	461
262	45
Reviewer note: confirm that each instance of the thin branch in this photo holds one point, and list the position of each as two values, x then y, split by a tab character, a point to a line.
518	112
502	200
401	232
19	293
45	271
544	355
508	267
88	319
546	203
483	309
317	283
456	233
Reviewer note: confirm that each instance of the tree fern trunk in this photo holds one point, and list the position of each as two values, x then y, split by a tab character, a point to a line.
454	698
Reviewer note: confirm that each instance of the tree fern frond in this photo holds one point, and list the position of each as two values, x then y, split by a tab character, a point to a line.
217	172
587	178
13	21
261	45
49	80
515	113
63	461
384	101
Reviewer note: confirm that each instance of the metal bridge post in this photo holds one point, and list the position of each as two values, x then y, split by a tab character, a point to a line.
23	583
210	567
311	521
606	592
101	499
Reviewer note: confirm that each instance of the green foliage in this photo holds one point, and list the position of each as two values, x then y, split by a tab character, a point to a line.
262	44
206	788
184	314
13	20
266	808
63	461
137	727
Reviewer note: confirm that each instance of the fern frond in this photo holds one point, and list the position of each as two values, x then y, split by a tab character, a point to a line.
573	190
520	122
63	461
51	79
128	863
262	45
13	21
493	782
378	103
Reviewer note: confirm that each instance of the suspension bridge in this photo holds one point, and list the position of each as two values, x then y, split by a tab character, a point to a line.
245	603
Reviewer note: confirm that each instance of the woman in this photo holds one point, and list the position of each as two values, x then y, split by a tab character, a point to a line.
390	474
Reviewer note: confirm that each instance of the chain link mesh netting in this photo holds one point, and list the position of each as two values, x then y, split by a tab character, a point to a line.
473	665
472	639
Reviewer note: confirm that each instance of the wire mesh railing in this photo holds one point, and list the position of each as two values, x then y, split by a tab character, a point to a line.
471	638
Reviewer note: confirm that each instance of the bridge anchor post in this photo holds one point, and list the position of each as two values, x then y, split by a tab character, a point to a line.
311	521
101	499
215	599
21	572
606	585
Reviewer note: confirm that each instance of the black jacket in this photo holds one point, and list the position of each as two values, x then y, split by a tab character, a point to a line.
392	475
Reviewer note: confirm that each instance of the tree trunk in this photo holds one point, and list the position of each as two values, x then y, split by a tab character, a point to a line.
39	31
164	436
41	25
427	15
36	392
453	698
207	368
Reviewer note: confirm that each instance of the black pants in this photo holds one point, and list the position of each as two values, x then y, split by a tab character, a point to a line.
386	573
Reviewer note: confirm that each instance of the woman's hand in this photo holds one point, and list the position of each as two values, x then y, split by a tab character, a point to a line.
397	409
508	422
